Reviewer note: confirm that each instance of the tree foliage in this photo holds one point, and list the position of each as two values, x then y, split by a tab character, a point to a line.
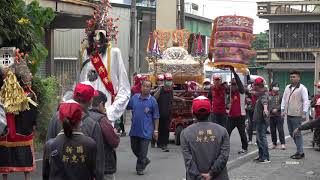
23	26
47	91
261	41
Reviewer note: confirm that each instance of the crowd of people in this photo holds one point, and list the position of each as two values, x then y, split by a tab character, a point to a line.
82	141
82	137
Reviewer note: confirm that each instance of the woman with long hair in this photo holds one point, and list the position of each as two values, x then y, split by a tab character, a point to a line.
71	155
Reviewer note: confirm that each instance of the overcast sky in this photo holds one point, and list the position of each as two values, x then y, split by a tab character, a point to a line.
214	8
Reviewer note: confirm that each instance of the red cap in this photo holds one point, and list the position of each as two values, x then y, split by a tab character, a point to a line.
168	76
192	85
160	77
137	77
217	77
70	110
84	91
201	103
259	80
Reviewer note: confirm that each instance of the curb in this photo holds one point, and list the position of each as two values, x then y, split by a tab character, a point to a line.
249	156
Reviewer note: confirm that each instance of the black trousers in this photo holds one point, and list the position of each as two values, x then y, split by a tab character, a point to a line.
121	124
164	125
316	137
276	123
139	148
239	123
251	125
220	119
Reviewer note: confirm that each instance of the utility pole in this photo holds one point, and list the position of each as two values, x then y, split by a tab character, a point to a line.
317	68
133	18
182	14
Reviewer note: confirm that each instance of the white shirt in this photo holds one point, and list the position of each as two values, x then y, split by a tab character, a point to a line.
119	80
304	94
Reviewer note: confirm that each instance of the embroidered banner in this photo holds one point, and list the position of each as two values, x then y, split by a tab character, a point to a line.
103	73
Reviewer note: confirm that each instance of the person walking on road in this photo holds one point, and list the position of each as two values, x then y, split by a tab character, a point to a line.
237	112
83	94
310	124
159	85
110	138
145	122
71	155
276	120
205	145
294	106
165	97
217	95
316	132
261	119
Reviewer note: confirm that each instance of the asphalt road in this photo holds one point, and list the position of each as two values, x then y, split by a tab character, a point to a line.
169	165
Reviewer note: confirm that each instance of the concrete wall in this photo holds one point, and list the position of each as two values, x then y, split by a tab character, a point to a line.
166	14
66	42
123	42
148	24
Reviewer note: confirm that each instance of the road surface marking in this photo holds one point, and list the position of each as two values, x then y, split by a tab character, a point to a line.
249	154
37	160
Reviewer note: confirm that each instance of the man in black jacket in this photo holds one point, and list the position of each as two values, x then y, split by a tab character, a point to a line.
205	145
110	138
83	95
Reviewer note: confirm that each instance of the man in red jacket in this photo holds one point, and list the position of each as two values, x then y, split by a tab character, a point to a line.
237	112
217	96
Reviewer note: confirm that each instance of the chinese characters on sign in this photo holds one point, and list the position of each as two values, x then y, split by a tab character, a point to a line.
74	155
205	136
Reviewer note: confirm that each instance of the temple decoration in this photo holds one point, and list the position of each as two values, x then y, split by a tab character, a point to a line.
231	41
12	95
167	53
102	21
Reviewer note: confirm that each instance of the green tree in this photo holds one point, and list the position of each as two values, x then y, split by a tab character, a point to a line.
261	41
23	26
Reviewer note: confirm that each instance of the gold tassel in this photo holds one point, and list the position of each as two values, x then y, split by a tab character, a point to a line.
12	95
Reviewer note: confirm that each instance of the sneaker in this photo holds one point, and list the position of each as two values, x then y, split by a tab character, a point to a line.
256	158
294	155
165	149
147	163
250	143
273	146
297	156
123	134
242	151
283	147
140	173
264	161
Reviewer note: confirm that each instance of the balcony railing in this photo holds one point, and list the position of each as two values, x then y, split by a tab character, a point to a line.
288	8
286	55
147	3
